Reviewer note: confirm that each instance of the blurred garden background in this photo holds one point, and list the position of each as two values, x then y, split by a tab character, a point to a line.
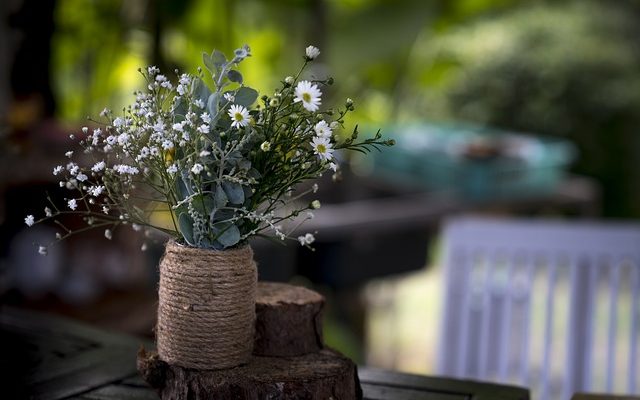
564	69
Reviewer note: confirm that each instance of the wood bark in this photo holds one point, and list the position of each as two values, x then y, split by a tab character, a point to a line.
325	374
288	320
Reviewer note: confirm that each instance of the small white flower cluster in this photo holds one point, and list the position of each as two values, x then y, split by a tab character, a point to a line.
225	169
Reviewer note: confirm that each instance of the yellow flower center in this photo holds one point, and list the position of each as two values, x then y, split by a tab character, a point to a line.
238	117
306	97
322	148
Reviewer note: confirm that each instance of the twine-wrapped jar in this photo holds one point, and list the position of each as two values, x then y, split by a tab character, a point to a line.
206	310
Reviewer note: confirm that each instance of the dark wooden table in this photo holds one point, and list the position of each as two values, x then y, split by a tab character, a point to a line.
51	358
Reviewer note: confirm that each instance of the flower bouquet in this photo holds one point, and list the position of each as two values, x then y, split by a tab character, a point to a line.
203	159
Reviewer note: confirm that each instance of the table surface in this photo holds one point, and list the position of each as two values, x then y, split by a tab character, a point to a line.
51	358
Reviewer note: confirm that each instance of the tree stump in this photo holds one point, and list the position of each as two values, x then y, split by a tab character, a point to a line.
289	359
288	320
325	374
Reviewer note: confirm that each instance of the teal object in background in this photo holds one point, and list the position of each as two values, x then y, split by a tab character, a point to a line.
479	163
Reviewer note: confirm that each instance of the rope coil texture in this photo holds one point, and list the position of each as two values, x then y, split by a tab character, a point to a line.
206	310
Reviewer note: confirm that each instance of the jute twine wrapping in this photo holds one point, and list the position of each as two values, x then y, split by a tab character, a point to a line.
206	310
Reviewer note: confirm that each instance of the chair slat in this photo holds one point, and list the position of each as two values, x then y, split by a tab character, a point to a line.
465	314
505	328
635	322
589	330
568	387
526	329
485	324
614	287
548	328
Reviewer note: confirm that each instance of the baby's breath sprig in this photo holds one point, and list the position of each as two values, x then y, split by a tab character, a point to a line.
205	163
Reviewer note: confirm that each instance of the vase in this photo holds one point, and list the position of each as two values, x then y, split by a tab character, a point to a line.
206	309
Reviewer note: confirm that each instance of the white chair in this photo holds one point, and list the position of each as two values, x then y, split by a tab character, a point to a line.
551	305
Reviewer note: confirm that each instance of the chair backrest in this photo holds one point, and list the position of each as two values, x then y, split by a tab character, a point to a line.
549	304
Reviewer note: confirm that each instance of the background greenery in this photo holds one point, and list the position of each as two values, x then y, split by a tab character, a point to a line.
566	68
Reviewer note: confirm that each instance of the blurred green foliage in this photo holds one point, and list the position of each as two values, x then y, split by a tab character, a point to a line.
569	68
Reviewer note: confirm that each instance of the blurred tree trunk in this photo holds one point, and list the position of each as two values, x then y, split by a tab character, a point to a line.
33	22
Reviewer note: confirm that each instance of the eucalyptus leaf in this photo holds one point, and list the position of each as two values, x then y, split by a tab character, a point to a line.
234	192
201	91
228	234
208	63
186	228
253	173
212	106
182	187
244	164
204	204
247	192
246	96
218	58
221	215
180	108
220	197
234	76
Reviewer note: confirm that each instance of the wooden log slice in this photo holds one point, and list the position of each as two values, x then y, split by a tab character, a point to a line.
322	375
288	320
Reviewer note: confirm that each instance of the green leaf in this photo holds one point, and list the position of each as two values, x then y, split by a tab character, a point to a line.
185	224
204	204
180	108
201	91
245	96
221	215
218	58
212	106
234	76
220	197
182	187
228	234
234	192
244	164
208	63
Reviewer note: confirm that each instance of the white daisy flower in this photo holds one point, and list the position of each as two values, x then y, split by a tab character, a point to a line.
239	116
308	94
312	52
322	129
323	148
29	220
